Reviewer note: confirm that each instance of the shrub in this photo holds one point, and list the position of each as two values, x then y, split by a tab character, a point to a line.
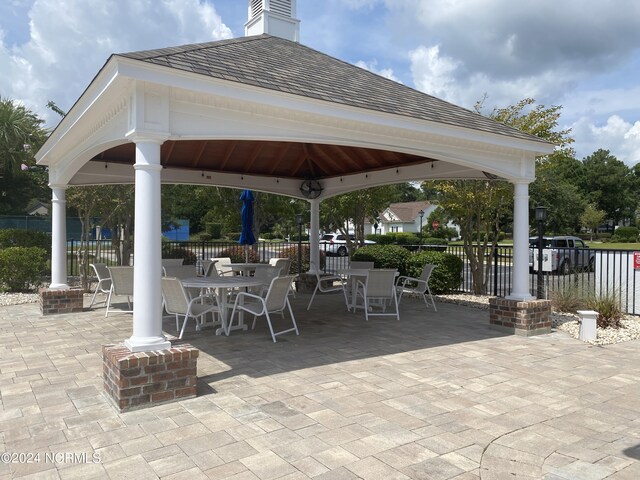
568	299
608	307
17	237
170	250
447	275
237	254
384	256
200	237
292	254
387	239
233	236
21	268
625	235
406	238
213	229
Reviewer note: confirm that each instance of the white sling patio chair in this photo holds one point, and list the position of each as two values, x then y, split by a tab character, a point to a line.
275	301
172	262
264	273
179	271
104	280
178	303
418	285
377	291
121	284
222	264
326	284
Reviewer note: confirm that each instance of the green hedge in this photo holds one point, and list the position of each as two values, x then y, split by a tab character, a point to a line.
17	237
169	250
21	268
237	254
625	235
384	256
292	254
447	275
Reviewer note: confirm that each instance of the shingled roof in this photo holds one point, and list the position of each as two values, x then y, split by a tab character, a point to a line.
277	64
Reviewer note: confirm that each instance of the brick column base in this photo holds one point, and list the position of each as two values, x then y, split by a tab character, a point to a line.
53	302
532	317
142	379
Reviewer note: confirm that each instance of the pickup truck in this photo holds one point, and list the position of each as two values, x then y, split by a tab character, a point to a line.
561	255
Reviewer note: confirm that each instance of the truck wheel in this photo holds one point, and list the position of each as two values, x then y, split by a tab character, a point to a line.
592	264
565	268
342	251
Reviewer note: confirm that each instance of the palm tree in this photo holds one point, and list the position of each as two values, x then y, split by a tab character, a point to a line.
21	135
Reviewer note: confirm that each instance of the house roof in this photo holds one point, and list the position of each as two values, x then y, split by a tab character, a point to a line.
405	211
278	64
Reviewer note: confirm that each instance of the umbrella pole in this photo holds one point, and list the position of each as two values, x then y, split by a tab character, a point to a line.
246	254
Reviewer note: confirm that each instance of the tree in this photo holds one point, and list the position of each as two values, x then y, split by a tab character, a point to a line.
592	218
609	184
21	135
357	207
481	207
476	206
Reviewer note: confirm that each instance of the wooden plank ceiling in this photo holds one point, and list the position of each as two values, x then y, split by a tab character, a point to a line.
267	158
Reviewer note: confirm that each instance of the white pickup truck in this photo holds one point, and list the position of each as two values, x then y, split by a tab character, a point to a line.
561	255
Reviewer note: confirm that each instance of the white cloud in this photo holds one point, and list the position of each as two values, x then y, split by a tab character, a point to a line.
372	66
620	137
69	40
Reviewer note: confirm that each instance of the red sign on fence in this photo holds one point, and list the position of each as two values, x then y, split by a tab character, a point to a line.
636	260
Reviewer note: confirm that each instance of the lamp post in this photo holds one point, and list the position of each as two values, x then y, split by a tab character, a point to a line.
299	219
541	217
421	214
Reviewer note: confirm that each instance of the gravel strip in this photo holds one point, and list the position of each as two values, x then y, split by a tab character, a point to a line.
565	322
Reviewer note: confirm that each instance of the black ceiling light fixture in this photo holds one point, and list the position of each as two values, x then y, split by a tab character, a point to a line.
311	189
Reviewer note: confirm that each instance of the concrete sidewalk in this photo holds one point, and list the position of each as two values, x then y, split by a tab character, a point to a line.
434	396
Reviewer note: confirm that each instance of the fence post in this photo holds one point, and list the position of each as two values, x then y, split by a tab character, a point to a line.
72	257
495	272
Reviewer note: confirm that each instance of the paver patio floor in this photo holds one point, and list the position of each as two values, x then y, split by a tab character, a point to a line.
434	396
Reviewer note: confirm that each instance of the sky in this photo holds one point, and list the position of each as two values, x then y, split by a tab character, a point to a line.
583	56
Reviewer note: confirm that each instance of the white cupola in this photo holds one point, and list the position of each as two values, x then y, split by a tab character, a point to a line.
274	17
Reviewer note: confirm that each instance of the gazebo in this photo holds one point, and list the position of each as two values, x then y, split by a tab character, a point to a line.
266	113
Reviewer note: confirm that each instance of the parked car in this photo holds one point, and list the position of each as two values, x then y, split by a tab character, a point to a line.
336	243
561	255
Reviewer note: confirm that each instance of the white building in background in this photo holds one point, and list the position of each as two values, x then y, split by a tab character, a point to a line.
401	217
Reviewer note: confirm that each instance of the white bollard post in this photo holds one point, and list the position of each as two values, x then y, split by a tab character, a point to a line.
588	324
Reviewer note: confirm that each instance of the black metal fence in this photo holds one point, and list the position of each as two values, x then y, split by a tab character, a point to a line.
600	271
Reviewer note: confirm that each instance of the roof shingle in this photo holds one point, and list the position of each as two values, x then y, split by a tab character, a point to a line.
282	65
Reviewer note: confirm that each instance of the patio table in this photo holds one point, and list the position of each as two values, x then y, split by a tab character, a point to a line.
222	285
245	268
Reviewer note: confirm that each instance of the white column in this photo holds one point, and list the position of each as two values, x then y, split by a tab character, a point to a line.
147	255
314	234
58	238
520	287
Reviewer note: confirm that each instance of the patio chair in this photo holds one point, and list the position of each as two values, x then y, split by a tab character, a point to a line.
121	284
284	264
330	280
377	290
265	274
177	302
222	264
275	301
172	262
104	280
418	285
211	270
179	271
